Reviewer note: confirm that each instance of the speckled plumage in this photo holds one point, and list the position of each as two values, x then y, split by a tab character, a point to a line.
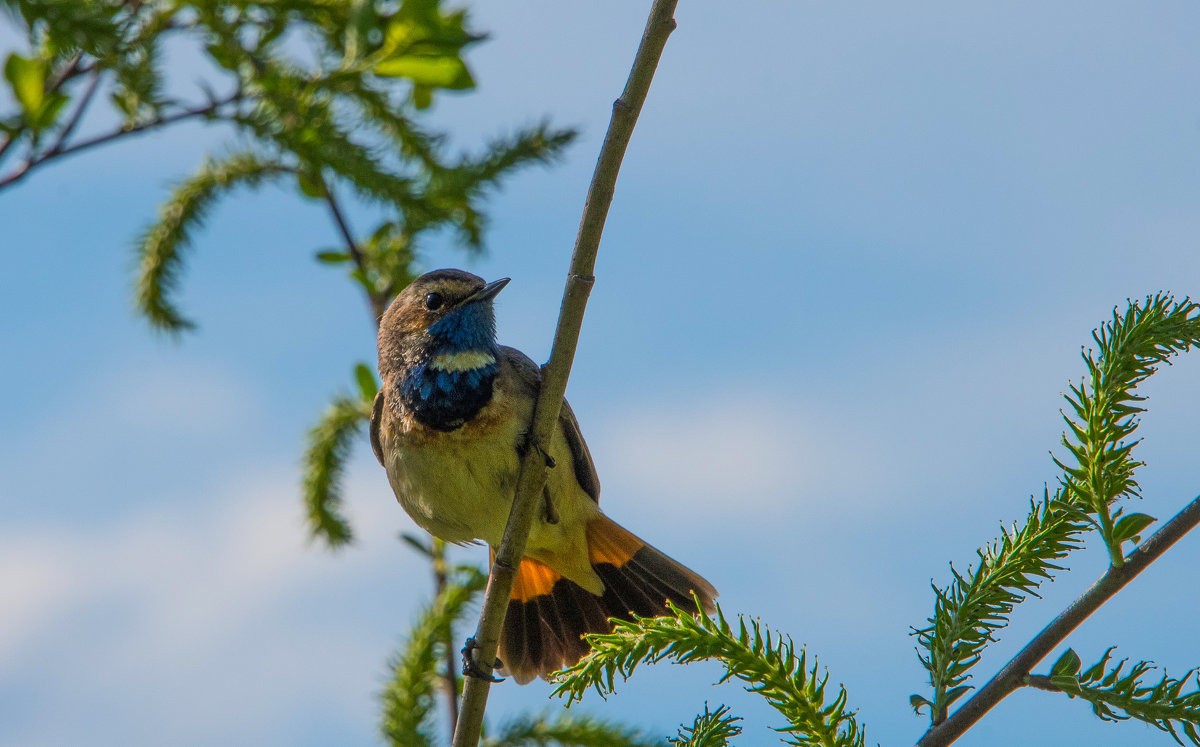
449	424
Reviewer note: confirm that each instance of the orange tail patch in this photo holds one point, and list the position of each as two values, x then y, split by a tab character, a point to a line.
548	615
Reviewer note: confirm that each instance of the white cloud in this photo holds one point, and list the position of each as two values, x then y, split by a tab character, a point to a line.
208	617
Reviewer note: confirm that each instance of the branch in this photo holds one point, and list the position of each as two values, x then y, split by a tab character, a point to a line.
556	372
1014	673
76	116
35	161
377	302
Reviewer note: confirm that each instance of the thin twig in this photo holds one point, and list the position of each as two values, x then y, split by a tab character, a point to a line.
76	116
35	161
70	70
450	674
377	301
555	373
1015	672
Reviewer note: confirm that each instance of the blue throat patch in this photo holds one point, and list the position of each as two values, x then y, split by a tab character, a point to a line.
455	380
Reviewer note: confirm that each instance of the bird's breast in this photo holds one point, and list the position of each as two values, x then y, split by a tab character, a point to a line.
457	484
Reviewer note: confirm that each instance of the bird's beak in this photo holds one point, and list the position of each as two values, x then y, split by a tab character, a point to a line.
487	292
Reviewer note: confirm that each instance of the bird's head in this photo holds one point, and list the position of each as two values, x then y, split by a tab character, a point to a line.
444	316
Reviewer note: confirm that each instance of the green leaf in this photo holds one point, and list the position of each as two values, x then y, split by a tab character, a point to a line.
448	72
368	387
27	78
333	258
1068	664
918	702
954	694
1130	527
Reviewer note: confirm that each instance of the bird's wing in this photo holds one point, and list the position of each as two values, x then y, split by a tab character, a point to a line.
585	469
376	417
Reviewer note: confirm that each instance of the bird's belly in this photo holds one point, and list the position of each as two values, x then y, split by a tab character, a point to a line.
459	485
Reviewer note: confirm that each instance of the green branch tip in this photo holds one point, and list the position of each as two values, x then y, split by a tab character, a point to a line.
767	662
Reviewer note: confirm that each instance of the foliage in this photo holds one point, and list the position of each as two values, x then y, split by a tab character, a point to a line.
767	662
1117	696
1130	348
969	611
408	699
329	445
709	729
327	93
324	95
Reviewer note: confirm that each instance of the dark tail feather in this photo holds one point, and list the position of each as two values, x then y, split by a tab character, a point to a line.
548	615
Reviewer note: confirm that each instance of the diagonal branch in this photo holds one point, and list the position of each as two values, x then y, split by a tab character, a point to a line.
377	301
1014	673
33	162
557	370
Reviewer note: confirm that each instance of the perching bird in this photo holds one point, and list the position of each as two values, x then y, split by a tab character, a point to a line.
449	424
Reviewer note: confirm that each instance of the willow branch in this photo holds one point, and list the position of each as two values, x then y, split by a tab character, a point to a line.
377	301
1016	671
557	370
33	162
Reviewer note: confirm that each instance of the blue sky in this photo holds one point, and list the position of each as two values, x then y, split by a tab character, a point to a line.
854	252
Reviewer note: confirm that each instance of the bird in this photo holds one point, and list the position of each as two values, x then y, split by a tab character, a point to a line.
449	425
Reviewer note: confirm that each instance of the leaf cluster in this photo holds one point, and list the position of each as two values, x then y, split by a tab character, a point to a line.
328	93
329	444
769	663
709	729
408	698
1116	694
976	604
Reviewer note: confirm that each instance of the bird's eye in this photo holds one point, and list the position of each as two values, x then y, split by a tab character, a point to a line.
433	301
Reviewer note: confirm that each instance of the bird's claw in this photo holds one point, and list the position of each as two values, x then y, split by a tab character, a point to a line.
471	668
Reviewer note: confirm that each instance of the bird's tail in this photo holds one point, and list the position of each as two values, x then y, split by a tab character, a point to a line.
548	615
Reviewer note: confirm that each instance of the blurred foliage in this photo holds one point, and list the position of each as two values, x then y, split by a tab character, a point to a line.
326	96
324	93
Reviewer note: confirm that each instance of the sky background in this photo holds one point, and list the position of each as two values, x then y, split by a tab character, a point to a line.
854	252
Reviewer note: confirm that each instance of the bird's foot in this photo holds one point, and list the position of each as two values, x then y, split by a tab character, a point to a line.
471	668
524	447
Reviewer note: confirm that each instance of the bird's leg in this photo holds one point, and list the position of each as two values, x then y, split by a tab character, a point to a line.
524	447
471	668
